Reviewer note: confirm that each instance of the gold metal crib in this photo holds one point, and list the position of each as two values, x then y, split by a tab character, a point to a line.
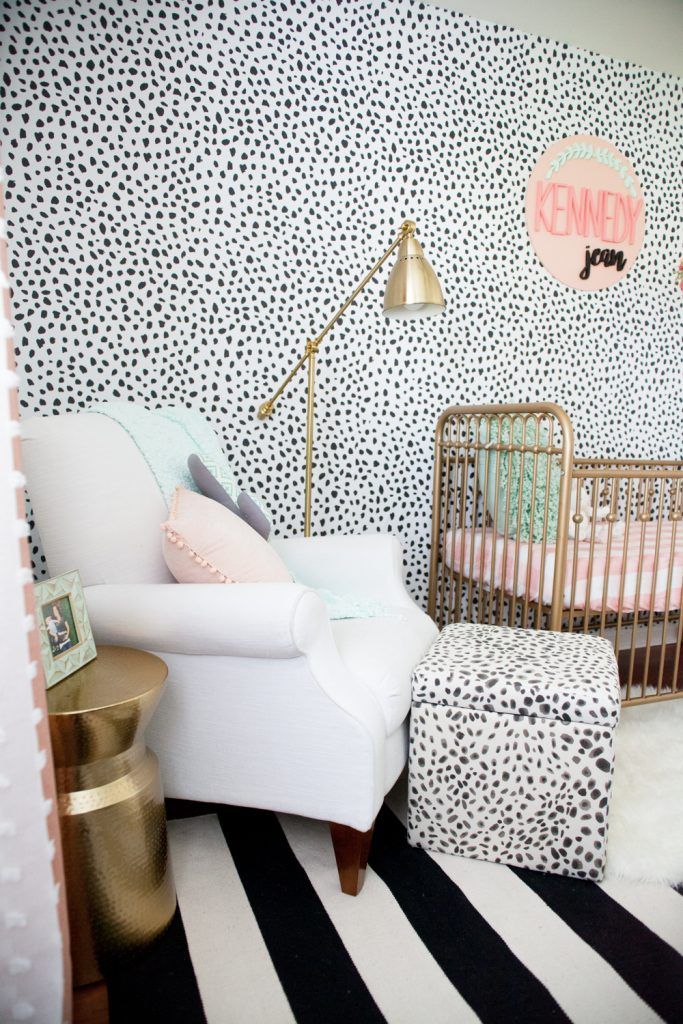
525	534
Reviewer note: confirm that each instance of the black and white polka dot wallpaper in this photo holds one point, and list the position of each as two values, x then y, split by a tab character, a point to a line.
194	187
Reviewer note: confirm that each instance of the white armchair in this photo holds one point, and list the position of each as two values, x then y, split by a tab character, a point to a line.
268	703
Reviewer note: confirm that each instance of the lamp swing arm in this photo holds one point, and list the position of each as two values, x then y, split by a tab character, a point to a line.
407	228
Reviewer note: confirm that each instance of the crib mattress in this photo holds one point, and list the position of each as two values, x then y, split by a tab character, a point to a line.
619	562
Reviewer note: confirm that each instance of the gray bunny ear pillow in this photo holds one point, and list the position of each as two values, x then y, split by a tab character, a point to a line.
246	508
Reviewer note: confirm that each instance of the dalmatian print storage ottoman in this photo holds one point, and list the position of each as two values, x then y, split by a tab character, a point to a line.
511	748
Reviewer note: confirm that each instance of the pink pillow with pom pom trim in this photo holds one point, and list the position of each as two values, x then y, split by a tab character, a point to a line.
206	543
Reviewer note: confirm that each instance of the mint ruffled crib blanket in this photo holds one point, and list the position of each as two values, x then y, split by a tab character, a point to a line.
503	475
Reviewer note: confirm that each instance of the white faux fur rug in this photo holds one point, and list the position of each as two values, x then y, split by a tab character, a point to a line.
645	841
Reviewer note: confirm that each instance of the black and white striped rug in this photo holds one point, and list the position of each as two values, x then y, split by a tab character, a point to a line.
263	935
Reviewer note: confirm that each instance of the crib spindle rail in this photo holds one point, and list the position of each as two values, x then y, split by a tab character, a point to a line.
473	529
641	548
524	534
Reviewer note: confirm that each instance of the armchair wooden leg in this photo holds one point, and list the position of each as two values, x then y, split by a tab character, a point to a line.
91	1004
351	851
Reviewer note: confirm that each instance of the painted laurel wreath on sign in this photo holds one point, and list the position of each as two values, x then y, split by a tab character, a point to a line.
585	151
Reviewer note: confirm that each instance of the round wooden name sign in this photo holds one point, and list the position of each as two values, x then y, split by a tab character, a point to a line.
585	212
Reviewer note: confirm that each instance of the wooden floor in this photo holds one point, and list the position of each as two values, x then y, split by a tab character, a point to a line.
669	692
90	1004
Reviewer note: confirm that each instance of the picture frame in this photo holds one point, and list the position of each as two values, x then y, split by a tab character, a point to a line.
66	640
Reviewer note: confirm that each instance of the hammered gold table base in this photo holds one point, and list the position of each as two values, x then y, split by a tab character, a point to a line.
120	892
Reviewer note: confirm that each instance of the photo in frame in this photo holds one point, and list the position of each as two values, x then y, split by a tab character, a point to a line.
66	640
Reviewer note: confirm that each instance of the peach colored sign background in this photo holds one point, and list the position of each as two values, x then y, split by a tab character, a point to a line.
585	212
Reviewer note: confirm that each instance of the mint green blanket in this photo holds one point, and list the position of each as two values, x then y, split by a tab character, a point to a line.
167	437
516	474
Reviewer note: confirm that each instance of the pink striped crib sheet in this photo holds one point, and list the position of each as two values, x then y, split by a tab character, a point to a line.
653	582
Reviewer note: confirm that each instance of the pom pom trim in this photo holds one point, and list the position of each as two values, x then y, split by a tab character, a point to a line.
174	538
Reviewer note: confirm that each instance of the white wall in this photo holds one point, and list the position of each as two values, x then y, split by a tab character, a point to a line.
209	189
647	32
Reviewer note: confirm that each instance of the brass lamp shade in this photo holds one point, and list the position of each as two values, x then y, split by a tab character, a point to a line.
413	289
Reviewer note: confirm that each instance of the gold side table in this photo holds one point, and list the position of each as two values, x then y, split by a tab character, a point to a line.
120	892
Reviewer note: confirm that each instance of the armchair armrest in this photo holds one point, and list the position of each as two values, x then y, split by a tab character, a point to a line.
249	620
368	565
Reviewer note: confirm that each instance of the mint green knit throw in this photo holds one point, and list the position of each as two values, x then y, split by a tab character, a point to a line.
165	437
514	475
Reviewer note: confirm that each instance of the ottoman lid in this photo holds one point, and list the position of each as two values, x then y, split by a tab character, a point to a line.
571	677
